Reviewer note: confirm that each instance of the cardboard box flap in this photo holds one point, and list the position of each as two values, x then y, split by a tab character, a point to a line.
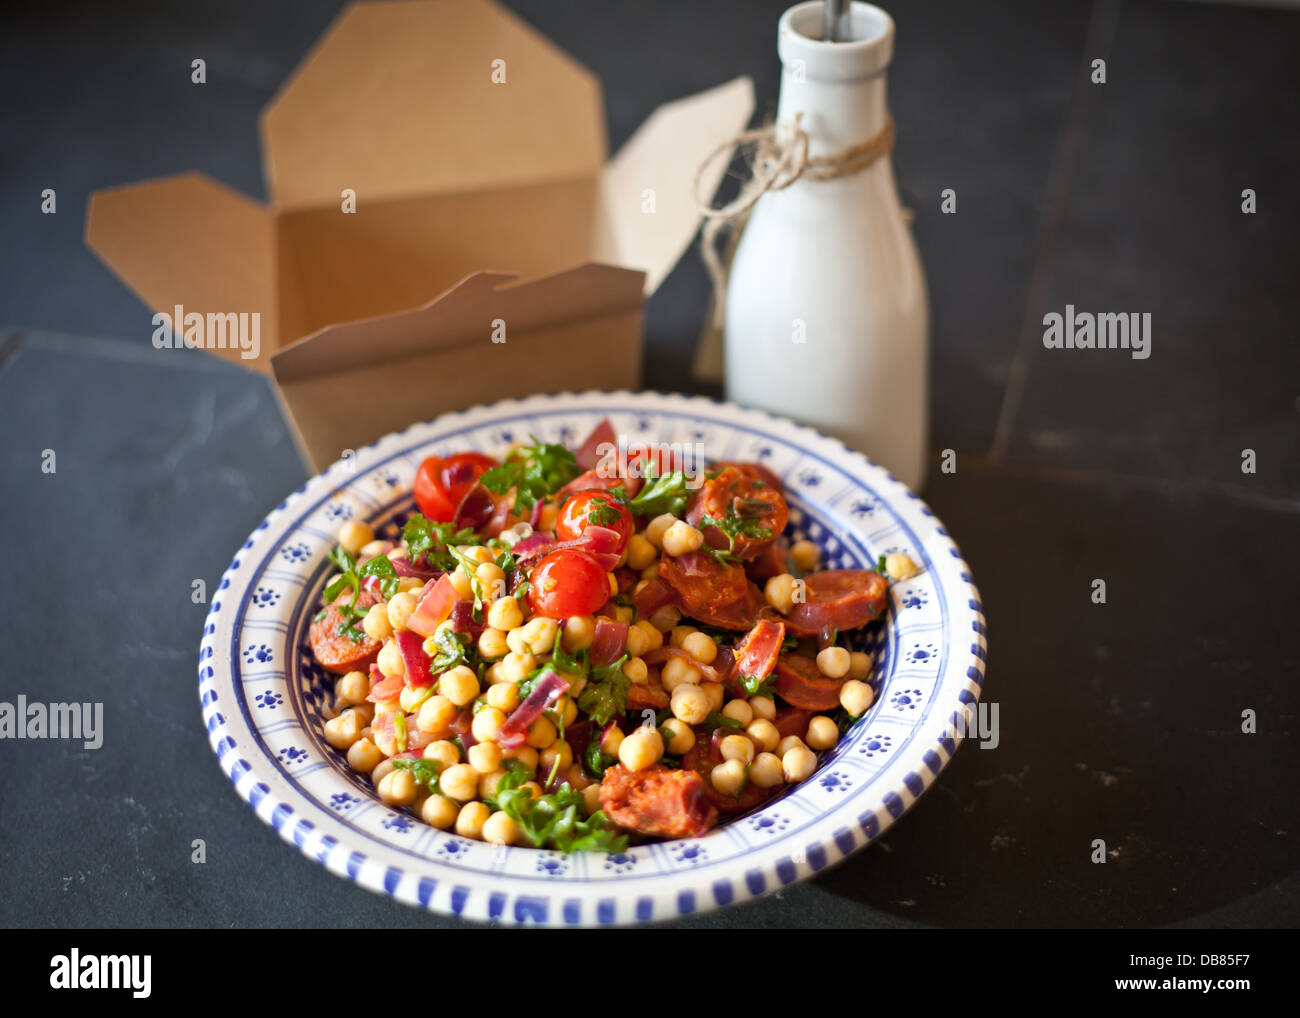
399	99
649	212
188	240
484	309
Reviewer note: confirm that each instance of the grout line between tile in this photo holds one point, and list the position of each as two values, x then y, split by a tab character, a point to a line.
1097	41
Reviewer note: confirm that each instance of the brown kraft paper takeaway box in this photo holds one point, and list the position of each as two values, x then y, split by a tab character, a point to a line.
485	208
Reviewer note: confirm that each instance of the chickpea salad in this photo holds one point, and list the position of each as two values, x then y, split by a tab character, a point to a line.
572	649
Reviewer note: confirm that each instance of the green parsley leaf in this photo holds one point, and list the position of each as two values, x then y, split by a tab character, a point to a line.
554	819
534	472
351	577
732	526
423	537
600	513
880	566
452	649
755	686
594	761
425	772
720	721
605	695
666	494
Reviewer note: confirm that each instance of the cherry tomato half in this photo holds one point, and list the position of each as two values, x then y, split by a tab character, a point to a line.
440	483
594	508
567	583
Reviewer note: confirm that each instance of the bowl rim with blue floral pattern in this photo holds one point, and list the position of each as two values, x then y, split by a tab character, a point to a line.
261	694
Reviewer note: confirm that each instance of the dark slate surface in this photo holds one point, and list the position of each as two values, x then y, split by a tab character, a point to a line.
1118	721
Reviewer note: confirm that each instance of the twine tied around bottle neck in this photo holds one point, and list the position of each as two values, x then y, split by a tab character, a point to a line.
778	163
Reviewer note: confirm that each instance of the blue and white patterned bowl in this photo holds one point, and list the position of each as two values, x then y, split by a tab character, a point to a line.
261	693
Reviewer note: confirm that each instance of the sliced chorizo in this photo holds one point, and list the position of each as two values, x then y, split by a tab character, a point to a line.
840	599
336	652
800	683
657	801
710	592
736	492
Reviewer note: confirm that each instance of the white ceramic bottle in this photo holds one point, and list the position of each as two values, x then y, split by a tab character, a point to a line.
826	314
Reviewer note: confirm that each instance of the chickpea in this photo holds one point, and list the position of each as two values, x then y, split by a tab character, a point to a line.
806	555
766	770
382	769
679	634
484	757
856	697
459	782
489	783
525	754
365	711
728	777
364	756
833	662
798	764
556	750
439	811
679	734
515	666
739	710
579	633
376	624
636	671
678	671
657	528
860	666
575	777
701	647
491	580
654	638
460	685
611	740
641	749
344	730
477	553
640	552
504	696
666	617
822	733
411	698
471	818
689	703
591	799
612	580
500	829
539	635
443	752
779	593
788	743
487	724
715	693
354	536
637	642
372	548
651	571
352	689
436	715
550	516
541	733
900	567
462	585
737	747
493	676
505	615
625	614
400	608
763	707
397	788
682	539
764	733
492	643
390	660
410	585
